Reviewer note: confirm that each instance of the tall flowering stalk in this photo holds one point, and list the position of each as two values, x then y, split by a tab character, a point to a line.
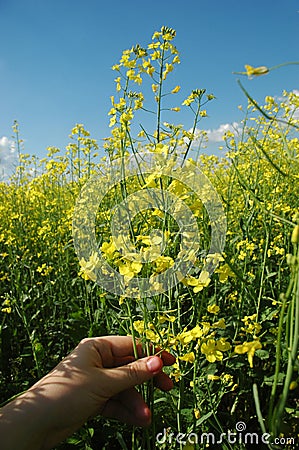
138	66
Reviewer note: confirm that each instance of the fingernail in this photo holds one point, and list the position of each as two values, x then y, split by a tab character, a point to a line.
154	364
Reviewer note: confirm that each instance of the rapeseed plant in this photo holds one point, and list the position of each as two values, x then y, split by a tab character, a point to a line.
231	330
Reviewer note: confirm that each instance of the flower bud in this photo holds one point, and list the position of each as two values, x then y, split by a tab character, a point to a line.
293	385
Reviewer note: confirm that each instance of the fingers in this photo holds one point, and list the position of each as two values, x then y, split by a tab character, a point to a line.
128	407
127	376
119	350
163	382
119	346
167	358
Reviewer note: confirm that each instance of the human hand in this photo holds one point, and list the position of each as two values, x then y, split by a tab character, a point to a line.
98	377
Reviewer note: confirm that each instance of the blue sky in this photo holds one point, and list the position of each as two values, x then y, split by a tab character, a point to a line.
56	58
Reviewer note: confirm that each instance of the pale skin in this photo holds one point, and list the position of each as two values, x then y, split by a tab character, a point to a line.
98	377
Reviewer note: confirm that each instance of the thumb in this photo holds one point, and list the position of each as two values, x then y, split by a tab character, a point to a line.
137	372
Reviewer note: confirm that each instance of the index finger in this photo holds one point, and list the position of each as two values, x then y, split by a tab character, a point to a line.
119	350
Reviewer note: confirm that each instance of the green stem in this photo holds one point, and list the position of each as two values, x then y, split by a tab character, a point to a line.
290	63
179	406
293	344
258	408
257	106
277	358
22	315
194	125
160	94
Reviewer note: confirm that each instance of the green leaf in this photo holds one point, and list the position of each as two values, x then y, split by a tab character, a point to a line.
203	418
262	354
121	441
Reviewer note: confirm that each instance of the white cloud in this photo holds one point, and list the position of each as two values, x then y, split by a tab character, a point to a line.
8	157
216	134
209	139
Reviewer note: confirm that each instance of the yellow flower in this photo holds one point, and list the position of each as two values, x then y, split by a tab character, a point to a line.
256	71
176	60
126	116
138	79
161	148
210	349
176	89
112	112
213	309
199	283
44	270
185	337
112	121
224	272
166	318
168	68
178	189
139	326
196	413
108	248
156	55
251	325
6	308
156	35
197	332
188	357
130	74
163	262
167	36
249	348
130	269
88	267
205	327
152	336
212	377
150	181
118	86
146	63
293	385
220	324
150	70
176	373
223	345
153	45
227	379
190	99
138	105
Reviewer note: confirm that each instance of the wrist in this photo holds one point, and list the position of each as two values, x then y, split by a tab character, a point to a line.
23	422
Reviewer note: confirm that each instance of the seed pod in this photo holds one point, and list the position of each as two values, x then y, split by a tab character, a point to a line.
295	235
